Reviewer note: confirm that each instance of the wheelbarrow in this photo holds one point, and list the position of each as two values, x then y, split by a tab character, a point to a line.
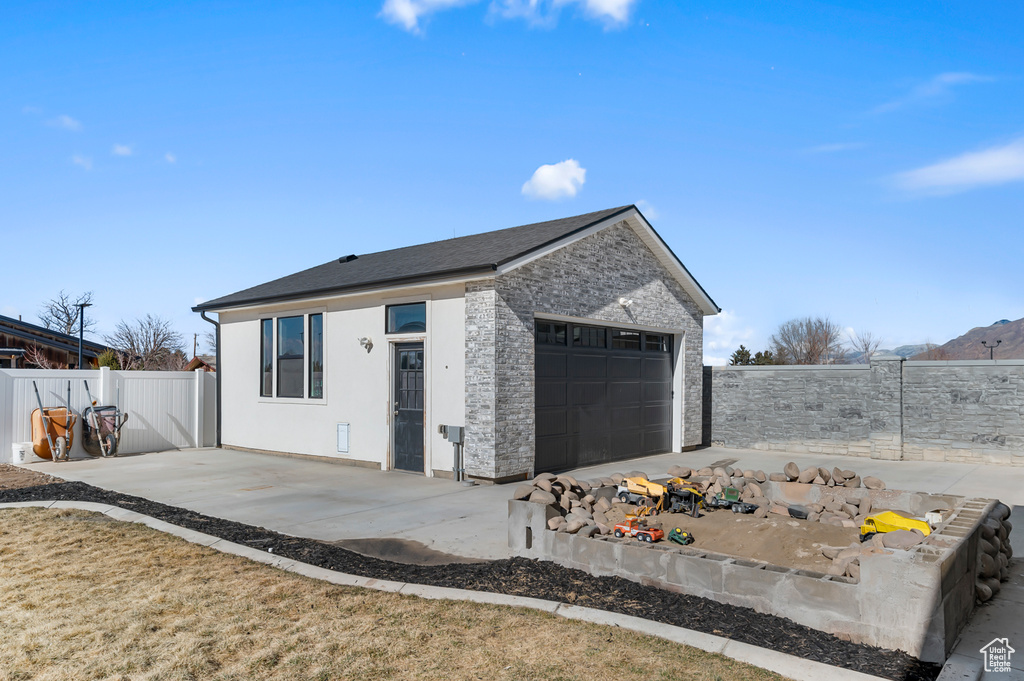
52	429
101	427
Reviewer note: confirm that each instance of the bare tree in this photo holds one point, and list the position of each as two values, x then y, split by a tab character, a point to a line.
34	355
811	340
61	314
148	344
866	344
933	352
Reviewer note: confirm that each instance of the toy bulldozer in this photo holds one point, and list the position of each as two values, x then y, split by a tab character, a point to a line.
887	521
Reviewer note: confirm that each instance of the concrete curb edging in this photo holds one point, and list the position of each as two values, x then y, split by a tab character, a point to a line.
781	663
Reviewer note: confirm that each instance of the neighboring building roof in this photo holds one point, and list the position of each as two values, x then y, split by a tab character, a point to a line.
42	336
207	362
477	254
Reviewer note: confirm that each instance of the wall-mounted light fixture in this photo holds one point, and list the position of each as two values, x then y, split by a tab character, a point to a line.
625	302
367	343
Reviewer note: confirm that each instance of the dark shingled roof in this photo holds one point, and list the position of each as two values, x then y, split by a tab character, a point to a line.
477	253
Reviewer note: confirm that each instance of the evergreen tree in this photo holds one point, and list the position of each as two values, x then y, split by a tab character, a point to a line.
740	358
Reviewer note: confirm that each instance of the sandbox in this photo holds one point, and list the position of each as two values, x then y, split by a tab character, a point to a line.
916	600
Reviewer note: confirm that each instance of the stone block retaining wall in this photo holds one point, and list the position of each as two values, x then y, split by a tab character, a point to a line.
916	600
964	411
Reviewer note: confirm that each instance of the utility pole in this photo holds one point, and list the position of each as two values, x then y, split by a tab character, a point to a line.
81	329
991	348
195	339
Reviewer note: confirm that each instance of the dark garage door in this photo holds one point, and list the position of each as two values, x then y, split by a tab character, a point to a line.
603	394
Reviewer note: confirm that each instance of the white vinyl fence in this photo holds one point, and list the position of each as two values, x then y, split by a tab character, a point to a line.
166	409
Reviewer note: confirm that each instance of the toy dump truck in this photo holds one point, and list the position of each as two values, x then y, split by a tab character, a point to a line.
684	497
640	491
887	521
631	527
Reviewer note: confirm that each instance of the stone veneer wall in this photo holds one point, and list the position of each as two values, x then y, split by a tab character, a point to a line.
966	411
585	280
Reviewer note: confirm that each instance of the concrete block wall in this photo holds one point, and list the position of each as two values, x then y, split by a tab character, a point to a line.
917	601
964	411
583	280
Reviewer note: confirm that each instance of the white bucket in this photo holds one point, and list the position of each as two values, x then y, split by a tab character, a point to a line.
21	454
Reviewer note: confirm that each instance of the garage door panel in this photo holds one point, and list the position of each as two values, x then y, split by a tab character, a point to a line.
596	404
552	423
551	394
551	365
625	367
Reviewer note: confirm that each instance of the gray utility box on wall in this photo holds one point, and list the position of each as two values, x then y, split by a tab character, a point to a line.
456	435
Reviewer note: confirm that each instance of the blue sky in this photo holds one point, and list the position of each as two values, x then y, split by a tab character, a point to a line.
864	160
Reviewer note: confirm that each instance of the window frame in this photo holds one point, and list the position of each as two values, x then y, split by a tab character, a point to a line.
387	317
307	378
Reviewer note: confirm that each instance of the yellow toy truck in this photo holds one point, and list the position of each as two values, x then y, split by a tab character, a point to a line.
887	521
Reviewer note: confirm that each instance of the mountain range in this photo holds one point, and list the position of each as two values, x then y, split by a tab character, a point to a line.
1010	337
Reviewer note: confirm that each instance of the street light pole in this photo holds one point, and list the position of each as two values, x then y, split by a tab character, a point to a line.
991	348
81	329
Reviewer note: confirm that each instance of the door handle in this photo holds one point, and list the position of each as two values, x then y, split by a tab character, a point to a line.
396	412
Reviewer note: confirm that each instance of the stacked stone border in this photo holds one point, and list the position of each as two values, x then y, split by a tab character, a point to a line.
916	600
790	666
969	411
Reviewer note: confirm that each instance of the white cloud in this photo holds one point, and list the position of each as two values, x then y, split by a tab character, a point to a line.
834	148
66	122
558	181
83	161
170	158
545	12
937	86
995	165
723	335
121	150
649	211
407	13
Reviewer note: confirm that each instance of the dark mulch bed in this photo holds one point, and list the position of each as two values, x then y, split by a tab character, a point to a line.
537	579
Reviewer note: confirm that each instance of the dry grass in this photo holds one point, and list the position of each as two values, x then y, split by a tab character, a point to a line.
86	597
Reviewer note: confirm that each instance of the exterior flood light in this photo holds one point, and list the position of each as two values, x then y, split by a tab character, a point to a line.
367	343
625	302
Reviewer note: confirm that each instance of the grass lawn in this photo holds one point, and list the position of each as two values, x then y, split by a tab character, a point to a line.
83	596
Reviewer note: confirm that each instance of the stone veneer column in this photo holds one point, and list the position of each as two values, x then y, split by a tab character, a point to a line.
885	409
481	395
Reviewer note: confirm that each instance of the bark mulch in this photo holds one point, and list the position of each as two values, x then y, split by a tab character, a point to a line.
522	577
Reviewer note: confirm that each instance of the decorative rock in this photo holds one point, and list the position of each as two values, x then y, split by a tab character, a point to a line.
872	482
601	519
716	488
543	484
778	477
589	531
792	471
608	482
720	473
761	512
755	489
574	526
855	501
987	566
679	472
807	475
853	570
637	474
748	474
850	510
705	472
847	474
831	482
585	486
815	508
901	539
738	482
982	591
556	522
1001	511
616	478
572	496
865	506
853	482
583	514
876	541
833	506
574	504
813	517
746	494
724	481
539	496
993	584
818	480
849	552
824	474
986	546
523	492
760	476
839	566
602	505
760	501
849	523
837	475
780	510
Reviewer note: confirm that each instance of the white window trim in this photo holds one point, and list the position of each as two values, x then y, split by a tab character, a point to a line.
305	399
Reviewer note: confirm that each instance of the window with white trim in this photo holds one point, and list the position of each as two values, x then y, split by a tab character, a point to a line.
292	356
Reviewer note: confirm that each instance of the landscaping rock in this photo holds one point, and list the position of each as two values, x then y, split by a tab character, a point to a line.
824	474
539	496
679	472
850	510
837	475
853	570
807	475
780	510
778	477
543	484
755	489
706	472
523	492
839	566
865	506
738	482
544	476
853	482
616	478
574	526
585	486
760	501
760	476
1001	511
833	506
849	552
847	474
812	517
831	482
761	512
637	474
818	480
872	482
556	522
565	502
602	505
730	471
849	523
901	539
719	472
815	508
982	591
987	565
608	482
589	531
748	474
792	471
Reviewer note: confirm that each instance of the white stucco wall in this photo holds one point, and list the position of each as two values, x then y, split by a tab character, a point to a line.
357	384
